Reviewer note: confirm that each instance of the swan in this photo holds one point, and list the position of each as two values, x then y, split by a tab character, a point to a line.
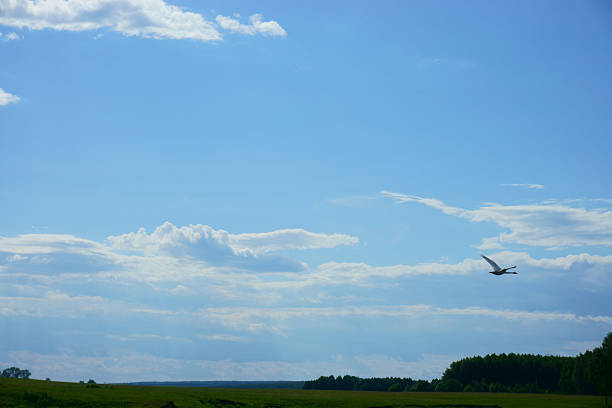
496	269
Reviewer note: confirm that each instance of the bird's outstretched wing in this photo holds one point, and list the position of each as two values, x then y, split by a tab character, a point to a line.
496	267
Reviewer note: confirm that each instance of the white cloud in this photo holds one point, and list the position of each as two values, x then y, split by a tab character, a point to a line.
169	253
178	261
362	274
9	37
200	241
142	18
550	225
181	291
28	244
256	25
532	186
189	240
6	98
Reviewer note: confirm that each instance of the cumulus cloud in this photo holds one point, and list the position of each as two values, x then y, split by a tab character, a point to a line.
202	240
6	98
169	252
551	224
256	25
142	18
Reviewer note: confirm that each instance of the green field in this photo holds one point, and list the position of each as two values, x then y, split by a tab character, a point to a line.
39	394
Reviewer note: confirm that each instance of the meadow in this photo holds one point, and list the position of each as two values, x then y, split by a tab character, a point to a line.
40	394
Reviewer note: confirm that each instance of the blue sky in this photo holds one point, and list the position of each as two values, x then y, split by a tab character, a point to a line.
283	190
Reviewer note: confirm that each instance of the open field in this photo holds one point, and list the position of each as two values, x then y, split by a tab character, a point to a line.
39	394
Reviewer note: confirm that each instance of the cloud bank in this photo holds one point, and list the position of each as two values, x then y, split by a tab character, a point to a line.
142	18
204	303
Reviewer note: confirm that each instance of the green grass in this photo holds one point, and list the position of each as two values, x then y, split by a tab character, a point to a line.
48	394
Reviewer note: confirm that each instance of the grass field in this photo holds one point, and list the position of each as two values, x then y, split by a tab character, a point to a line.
40	394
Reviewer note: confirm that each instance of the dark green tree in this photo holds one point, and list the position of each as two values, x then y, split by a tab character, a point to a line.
451	385
600	368
15	372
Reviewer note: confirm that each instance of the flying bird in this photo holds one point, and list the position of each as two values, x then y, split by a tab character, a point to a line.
496	269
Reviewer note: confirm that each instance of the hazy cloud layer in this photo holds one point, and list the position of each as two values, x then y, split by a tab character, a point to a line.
6	98
275	319
143	18
60	305
180	292
552	224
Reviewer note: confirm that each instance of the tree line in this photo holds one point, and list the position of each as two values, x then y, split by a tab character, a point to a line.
587	373
14	372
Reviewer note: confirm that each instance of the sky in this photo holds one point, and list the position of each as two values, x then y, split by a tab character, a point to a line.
279	190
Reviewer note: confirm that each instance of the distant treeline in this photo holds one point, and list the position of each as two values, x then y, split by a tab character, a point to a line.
222	384
588	373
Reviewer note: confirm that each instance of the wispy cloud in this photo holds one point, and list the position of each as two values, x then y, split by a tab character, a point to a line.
432	62
138	337
360	201
6	98
532	186
9	37
274	319
222	337
550	225
142	18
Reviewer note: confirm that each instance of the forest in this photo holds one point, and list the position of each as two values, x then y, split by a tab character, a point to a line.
587	373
